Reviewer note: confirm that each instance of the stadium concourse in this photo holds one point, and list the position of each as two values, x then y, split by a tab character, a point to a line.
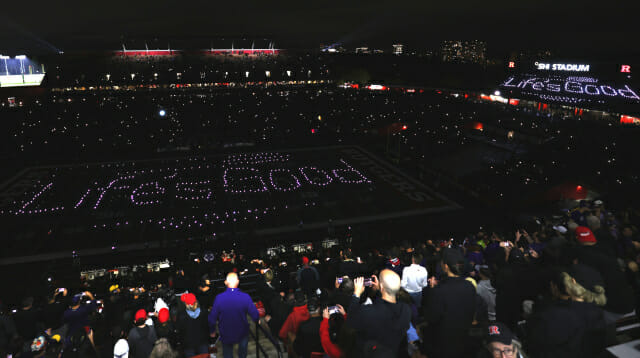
143	197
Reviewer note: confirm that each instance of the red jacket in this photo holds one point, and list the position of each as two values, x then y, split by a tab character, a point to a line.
329	347
297	316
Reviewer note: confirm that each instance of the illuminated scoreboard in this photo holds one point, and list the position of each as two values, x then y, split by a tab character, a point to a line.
20	71
21	80
573	83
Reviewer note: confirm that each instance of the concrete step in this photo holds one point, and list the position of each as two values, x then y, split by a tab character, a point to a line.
268	347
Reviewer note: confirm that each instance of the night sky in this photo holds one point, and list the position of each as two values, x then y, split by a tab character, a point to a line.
606	29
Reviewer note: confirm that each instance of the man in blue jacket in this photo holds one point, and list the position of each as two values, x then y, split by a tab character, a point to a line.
229	312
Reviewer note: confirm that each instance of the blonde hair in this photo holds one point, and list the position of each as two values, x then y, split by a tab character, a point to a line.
575	290
518	347
268	275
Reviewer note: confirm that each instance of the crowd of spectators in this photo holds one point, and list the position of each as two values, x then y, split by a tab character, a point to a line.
554	287
541	147
180	69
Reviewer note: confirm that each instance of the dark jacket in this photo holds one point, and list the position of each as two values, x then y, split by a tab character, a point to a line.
52	314
141	341
555	330
350	268
78	318
594	339
619	293
308	338
267	294
383	322
308	278
449	314
194	332
339	297
166	330
205	298
28	323
114	309
7	331
280	311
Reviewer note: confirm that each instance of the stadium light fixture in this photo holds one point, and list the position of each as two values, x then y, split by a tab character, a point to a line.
21	57
162	113
497	93
3	57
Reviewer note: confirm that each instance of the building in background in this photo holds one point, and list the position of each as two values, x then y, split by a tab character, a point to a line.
472	51
397	49
530	55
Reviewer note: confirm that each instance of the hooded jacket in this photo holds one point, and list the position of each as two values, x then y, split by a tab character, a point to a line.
295	318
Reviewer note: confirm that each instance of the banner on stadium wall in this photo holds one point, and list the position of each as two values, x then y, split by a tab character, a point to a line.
570	89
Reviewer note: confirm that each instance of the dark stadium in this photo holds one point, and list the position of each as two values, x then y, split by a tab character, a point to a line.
270	180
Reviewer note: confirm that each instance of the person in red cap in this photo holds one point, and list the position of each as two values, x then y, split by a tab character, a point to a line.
585	236
193	327
308	277
620	298
141	337
164	326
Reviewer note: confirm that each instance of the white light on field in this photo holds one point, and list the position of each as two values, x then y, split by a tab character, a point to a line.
246	74
267	73
162	113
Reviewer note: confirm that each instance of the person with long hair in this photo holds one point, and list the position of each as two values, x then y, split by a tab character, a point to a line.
566	326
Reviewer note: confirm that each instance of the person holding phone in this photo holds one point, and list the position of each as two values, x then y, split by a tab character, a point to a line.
343	292
332	320
77	316
54	310
385	321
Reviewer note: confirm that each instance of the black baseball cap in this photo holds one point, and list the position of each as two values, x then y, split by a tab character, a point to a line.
452	257
499	332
